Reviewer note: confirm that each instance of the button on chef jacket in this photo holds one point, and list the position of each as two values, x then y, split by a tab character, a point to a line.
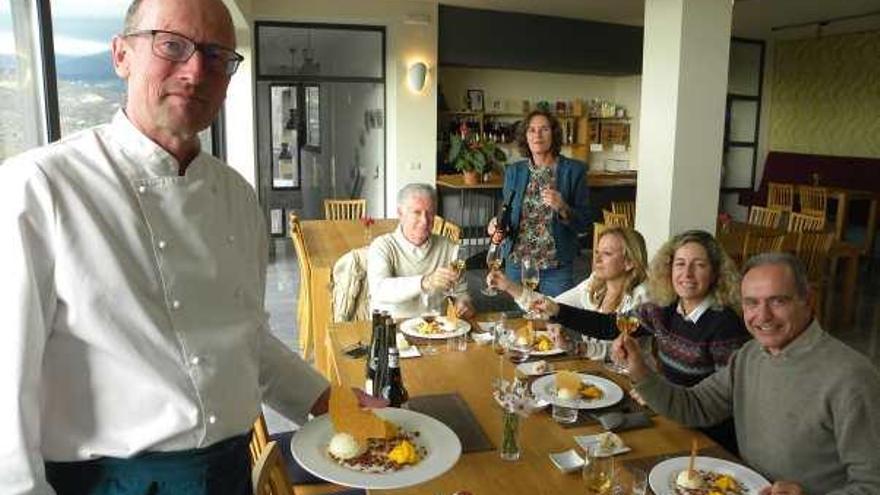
131	306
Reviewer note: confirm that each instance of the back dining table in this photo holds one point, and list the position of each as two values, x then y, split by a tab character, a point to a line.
470	374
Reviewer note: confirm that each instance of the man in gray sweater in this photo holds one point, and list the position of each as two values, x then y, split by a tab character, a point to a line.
806	406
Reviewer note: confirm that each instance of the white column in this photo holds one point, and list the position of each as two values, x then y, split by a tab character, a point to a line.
684	87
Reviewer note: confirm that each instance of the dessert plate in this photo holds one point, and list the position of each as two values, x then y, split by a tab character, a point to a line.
309	447
545	388
662	476
411	328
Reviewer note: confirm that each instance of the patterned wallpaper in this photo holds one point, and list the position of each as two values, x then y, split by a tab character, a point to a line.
825	96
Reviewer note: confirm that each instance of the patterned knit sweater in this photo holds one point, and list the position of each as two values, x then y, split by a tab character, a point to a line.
687	351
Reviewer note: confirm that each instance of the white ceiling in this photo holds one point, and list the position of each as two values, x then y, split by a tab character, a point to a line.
751	18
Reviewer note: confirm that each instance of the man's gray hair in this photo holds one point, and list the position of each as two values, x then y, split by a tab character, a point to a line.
801	283
131	16
417	189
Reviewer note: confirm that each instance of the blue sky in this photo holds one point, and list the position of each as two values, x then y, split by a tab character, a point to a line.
75	34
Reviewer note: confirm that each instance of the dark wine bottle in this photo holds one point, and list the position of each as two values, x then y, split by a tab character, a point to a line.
373	356
502	221
393	390
382	355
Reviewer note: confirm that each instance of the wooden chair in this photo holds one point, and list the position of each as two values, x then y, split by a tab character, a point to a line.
344	209
438	225
277	471
780	196
612	219
269	476
813	200
452	231
764	217
761	241
304	304
628	208
813	249
799	222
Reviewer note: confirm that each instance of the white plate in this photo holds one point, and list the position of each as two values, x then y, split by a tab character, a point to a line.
411	328
662	476
531	368
545	388
568	461
309	447
587	441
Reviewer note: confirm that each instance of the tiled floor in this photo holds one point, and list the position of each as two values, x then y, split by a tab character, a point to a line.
282	286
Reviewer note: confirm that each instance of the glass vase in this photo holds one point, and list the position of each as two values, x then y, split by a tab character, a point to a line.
510	450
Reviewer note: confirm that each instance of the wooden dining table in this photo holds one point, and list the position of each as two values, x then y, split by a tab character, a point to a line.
732	237
325	242
470	374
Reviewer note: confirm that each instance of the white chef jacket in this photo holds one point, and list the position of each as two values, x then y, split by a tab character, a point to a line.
131	302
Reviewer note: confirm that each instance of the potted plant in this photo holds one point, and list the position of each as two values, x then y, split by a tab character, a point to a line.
473	157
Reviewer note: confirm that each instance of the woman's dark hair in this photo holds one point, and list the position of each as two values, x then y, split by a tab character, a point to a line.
555	131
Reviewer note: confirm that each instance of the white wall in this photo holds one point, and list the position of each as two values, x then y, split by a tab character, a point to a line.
239	108
411	118
512	87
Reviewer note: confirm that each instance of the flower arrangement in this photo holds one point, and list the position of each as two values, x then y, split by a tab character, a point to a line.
368	221
516	403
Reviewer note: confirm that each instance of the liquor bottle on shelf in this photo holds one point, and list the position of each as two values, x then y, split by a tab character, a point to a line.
394	391
373	356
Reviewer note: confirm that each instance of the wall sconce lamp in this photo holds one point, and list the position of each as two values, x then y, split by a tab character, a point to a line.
416	76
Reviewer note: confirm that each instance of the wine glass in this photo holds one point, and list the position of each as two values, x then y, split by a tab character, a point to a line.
598	472
430	307
531	278
493	261
627	322
457	264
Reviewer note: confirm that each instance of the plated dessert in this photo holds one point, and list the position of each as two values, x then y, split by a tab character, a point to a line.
367	443
705	482
570	387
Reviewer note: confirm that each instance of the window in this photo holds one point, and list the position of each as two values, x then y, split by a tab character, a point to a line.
89	92
22	114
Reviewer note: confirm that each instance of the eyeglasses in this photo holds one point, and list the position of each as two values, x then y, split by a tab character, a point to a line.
176	47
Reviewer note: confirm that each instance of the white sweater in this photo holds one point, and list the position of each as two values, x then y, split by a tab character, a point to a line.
395	268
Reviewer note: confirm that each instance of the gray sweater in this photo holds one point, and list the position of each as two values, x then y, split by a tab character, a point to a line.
810	414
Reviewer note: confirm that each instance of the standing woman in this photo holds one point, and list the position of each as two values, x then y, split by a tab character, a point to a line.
549	205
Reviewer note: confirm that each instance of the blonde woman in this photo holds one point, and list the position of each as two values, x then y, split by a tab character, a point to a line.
616	284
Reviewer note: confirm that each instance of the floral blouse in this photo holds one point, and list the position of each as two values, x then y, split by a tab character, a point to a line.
535	239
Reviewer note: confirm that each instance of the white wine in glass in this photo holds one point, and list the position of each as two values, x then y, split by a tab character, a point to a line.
430	310
457	265
493	261
627	323
598	472
531	278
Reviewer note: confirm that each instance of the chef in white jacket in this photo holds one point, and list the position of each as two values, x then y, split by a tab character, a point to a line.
135	348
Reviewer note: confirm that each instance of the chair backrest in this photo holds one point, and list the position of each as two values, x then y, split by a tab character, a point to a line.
612	219
812	249
780	196
259	439
761	241
627	208
764	217
438	225
799	222
269	475
344	209
813	200
304	302
452	231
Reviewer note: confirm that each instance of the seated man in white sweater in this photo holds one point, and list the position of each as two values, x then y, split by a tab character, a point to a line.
411	260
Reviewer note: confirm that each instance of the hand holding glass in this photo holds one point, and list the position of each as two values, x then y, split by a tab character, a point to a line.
627	323
457	265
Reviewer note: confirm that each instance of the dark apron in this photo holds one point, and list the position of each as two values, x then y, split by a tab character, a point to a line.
221	469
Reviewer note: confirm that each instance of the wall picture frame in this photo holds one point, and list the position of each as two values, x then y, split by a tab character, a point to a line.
475	100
